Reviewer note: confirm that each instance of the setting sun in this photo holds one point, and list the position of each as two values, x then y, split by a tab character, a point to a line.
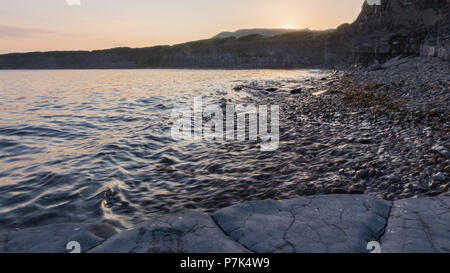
289	27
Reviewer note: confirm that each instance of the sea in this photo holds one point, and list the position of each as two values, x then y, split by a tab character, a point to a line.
90	146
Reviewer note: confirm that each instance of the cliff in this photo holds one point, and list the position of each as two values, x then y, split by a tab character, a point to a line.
403	27
419	27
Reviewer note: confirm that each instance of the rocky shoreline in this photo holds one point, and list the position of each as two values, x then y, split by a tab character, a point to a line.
319	224
382	130
370	151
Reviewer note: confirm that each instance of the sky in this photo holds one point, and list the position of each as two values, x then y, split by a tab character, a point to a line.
43	25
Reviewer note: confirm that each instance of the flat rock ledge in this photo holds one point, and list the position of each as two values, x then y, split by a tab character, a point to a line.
318	224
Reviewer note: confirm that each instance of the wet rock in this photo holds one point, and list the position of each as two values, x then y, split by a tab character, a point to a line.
341	223
394	178
411	186
433	184
434	193
271	89
442	150
357	189
365	140
439	177
445	188
418	226
391	196
373	172
54	238
189	232
339	191
296	91
318	224
447	169
362	174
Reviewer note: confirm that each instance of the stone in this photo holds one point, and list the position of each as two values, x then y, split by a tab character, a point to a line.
410	186
319	224
418	226
296	91
362	174
439	177
447	169
365	140
357	189
188	232
54	238
339	191
433	184
394	178
441	150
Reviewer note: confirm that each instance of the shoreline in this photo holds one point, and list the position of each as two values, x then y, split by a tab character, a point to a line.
376	133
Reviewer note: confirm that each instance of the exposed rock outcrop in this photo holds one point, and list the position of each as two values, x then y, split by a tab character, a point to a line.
54	238
403	27
192	231
421	225
318	224
323	224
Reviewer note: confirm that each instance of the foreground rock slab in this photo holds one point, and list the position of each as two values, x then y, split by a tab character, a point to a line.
323	224
192	232
418	226
318	224
54	238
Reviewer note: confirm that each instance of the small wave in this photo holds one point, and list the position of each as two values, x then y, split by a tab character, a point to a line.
91	154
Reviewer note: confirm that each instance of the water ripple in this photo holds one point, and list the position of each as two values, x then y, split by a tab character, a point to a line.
99	149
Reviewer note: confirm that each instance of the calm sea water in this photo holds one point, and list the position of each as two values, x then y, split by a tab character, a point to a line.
95	145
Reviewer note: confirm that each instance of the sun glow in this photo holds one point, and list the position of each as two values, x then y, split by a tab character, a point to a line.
289	27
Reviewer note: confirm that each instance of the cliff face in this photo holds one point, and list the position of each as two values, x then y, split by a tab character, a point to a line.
293	50
402	16
380	32
403	27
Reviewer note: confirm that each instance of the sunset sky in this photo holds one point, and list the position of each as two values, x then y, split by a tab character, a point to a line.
42	25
